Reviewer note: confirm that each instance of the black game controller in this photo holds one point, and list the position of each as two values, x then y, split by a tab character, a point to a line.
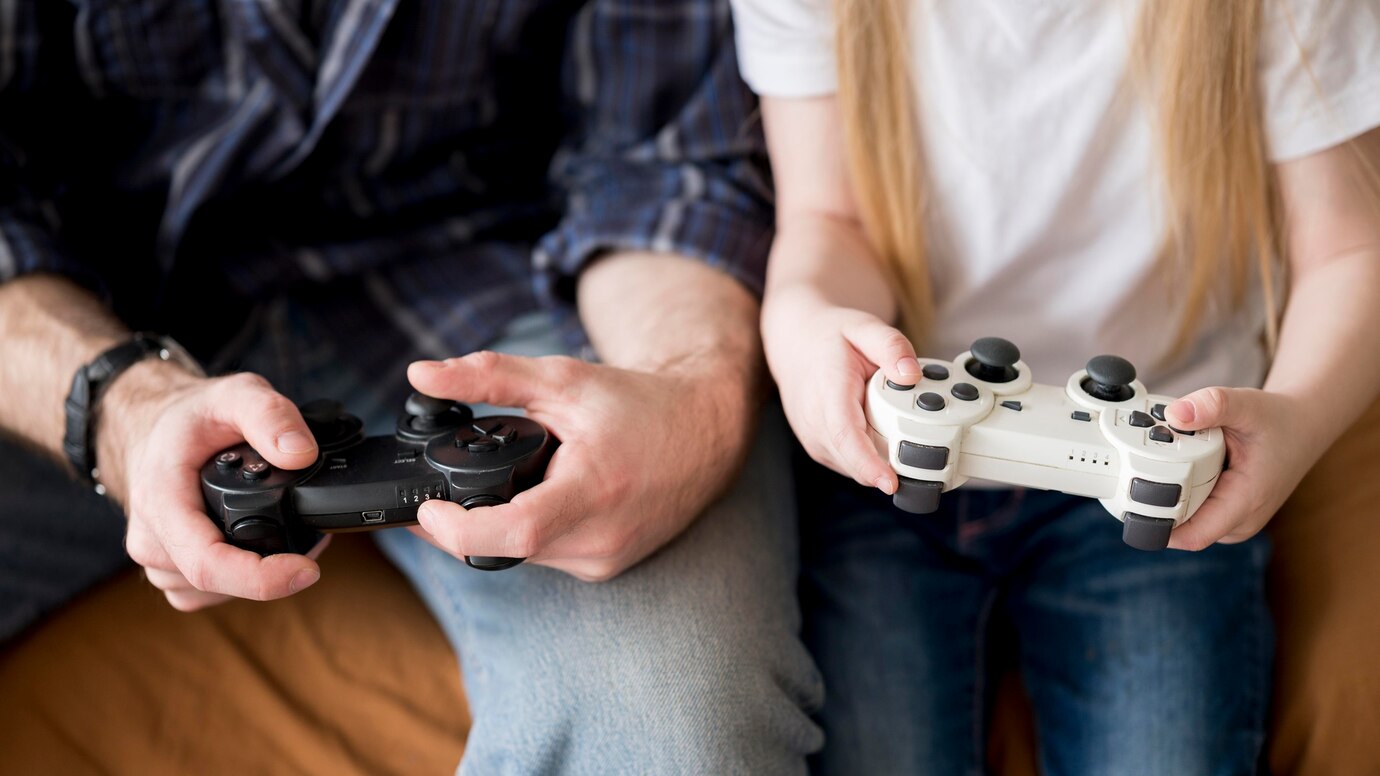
439	450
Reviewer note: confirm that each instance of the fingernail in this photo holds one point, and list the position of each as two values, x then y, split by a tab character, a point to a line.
883	484
303	580
908	366
429	364
424	517
295	442
1184	410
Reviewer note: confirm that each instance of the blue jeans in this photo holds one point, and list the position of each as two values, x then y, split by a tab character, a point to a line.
691	662
1135	662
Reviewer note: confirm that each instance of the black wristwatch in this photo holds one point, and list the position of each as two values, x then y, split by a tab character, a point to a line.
90	383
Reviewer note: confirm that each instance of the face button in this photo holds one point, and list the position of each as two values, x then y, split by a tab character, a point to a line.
1161	434
1140	419
965	392
1012	405
931	401
898	386
1081	415
1157	412
256	470
1185	433
935	372
1156	494
482	445
922	456
228	460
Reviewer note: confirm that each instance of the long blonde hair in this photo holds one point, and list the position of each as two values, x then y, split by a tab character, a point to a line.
1195	61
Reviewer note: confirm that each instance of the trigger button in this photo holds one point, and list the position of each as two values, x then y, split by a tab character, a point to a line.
918	497
1156	494
922	456
255	530
1146	533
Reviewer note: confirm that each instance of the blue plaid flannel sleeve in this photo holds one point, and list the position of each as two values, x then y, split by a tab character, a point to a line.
27	230
667	154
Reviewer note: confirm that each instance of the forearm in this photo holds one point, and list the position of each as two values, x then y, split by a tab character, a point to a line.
49	328
659	312
1327	354
820	260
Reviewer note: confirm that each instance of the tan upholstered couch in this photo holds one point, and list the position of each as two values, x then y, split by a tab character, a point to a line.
353	676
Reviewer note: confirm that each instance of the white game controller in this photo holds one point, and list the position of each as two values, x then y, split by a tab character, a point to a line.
1100	435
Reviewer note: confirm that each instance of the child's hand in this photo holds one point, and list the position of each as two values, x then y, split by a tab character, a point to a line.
822	358
1269	449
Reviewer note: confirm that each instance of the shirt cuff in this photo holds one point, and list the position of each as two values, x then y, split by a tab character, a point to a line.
26	248
682	211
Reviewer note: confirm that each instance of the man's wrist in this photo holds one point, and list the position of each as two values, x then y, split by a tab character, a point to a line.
128	409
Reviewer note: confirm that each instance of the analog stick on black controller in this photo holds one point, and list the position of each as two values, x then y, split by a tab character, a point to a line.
1109	378
994	360
424	416
331	426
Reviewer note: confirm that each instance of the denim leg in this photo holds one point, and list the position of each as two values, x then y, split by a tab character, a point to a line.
1140	662
57	538
691	662
897	619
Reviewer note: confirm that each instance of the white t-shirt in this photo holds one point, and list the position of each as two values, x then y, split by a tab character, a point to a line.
1047	211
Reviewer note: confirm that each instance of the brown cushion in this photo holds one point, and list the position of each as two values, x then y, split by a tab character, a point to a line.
1325	594
349	677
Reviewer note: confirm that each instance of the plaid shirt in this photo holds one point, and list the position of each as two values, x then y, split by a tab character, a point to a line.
421	172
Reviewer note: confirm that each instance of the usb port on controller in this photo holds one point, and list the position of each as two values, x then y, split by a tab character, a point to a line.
373	517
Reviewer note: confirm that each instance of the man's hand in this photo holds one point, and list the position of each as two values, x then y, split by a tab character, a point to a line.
158	426
641	456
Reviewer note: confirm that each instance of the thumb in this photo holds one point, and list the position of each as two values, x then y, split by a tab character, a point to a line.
1210	407
246	407
494	378
886	348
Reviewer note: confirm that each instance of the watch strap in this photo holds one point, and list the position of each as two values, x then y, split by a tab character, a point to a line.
90	382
